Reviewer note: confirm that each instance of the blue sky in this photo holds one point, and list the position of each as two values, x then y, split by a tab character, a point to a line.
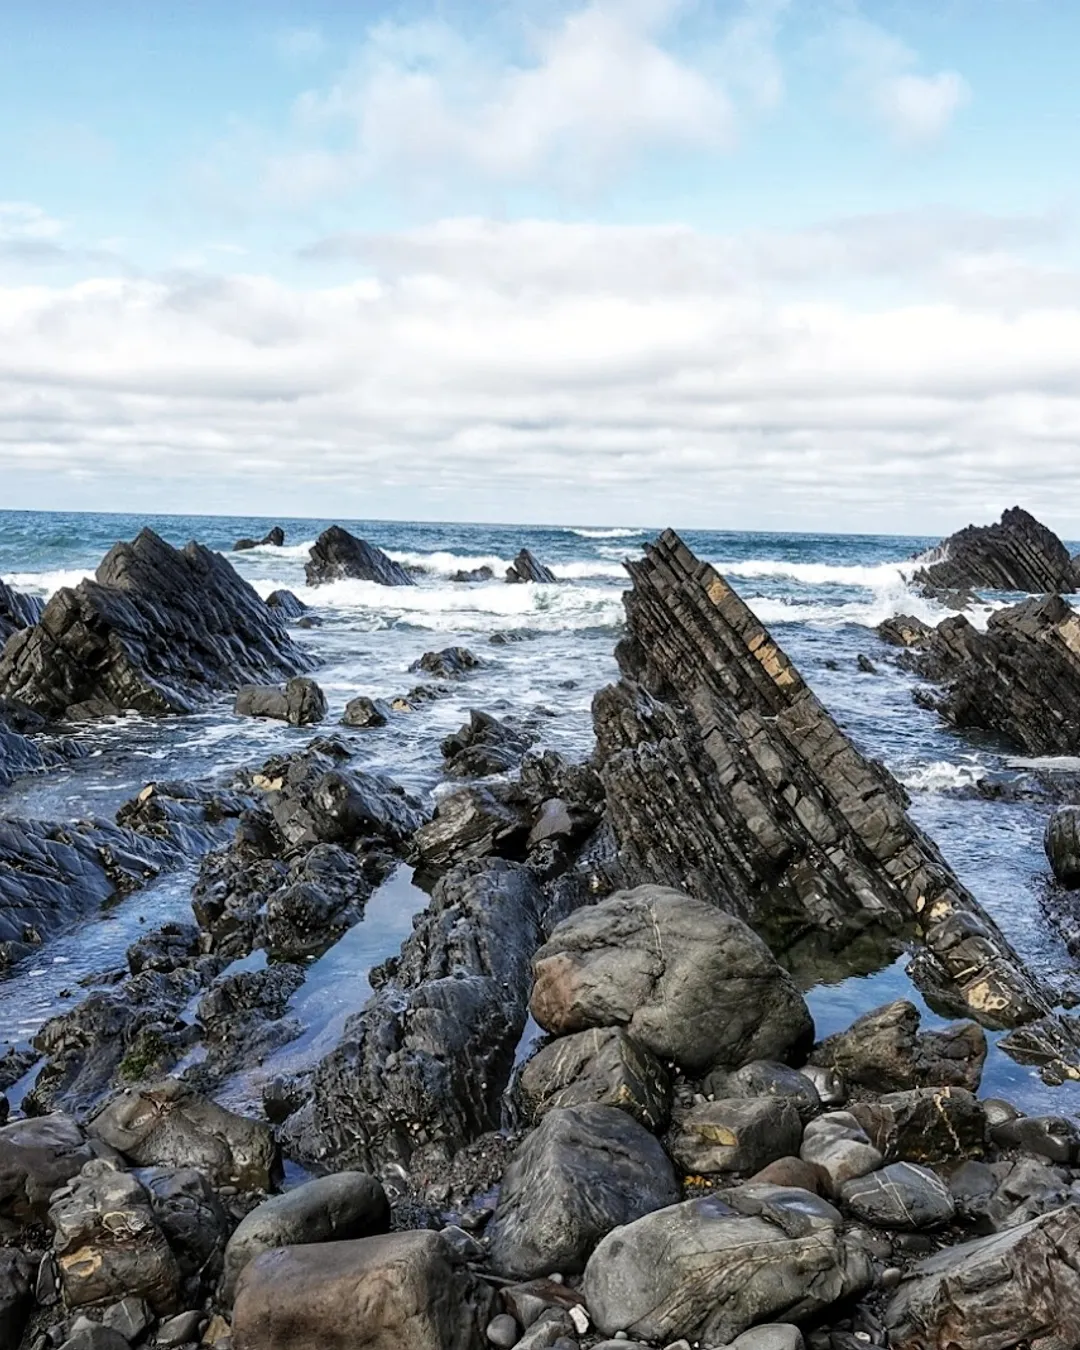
752	262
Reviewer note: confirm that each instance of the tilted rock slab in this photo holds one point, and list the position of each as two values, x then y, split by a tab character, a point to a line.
1016	554
159	630
726	777
337	555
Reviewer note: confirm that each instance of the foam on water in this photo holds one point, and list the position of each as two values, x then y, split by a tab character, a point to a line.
618	533
875	577
46	584
941	776
445	564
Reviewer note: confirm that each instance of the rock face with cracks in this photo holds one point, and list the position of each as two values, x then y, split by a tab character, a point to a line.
337	554
1018	553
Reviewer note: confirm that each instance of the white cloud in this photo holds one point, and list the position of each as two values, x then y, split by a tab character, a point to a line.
539	371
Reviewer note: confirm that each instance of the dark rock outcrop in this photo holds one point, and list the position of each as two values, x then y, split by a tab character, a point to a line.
301	703
287	605
160	630
484	746
337	554
366	712
452	663
1062	844
275	537
473	574
1016	554
726	777
600	1067
883	1051
17	611
19	754
527	568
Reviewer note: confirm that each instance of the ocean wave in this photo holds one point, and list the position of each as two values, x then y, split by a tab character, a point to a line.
872	576
940	775
886	601
300	551
585	571
46	584
445	564
618	533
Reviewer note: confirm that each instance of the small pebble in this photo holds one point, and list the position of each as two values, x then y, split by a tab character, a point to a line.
557	1278
503	1331
580	1319
891	1277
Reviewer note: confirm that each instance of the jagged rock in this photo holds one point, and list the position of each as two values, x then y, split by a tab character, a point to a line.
18	753
408	1285
901	1196
430	1053
903	630
472	574
274	537
484	746
763	1078
37	1156
603	1066
51	875
688	981
366	712
160	630
17	611
191	818
527	568
927	1125
234	1011
1062	844
735	1134
471	823
171	1125
131	1317
301	703
452	663
1053	1137
324	894
107	1243
1016	554
582	1173
167	948
16	1294
337	554
1010	1291
725	776
194	1220
1027	1189
883	1051
329	1209
1020	679
287	605
705	1272
838	1145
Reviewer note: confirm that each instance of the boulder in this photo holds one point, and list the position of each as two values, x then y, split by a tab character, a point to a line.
337	554
1062	844
287	605
883	1051
17	611
764	1078
705	1272
686	980
901	1196
108	1245
301	703
328	1209
582	1173
903	630
737	1134
16	1294
402	1291
603	1067
726	777
366	712
171	1125
159	630
452	663
194	1220
274	537
1053	1137
1016	554
484	746
471	823
927	1125
473	574
527	568
1011	1291
837	1144
37	1155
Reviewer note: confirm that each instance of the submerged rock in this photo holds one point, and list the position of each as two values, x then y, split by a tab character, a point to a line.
725	776
1016	554
527	568
159	630
883	1051
274	537
337	554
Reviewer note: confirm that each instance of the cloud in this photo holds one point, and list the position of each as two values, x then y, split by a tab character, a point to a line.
300	44
542	371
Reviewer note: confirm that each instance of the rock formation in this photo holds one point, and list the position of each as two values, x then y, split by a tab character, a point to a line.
337	554
274	537
1016	554
527	568
159	630
17	611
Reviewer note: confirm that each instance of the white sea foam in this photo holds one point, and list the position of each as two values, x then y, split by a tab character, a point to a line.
585	571
445	564
270	550
46	583
619	533
872	576
940	775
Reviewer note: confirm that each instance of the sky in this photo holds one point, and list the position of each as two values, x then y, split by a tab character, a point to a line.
761	264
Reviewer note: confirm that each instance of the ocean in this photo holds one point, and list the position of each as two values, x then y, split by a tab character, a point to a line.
821	595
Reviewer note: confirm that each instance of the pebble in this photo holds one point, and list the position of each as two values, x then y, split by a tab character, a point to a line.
580	1319
503	1331
181	1329
891	1277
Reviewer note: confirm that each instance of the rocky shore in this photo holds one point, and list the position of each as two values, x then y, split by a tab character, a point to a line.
586	1104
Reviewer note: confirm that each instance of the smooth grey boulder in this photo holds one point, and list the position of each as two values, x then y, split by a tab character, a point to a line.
736	1134
883	1051
1013	1290
37	1155
777	1336
584	1171
902	1195
1062	844
603	1067
688	981
366	712
763	1078
704	1272
344	1205
402	1291
301	703
108	1244
170	1124
839	1145
1053	1137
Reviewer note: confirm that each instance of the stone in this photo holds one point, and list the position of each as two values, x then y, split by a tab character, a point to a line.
131	1317
902	1195
527	568
902	630
883	1051
274	537
108	1244
735	1135
473	574
838	1145
189	1212
583	1172
603	1066
17	611
16	1293
452	663
95	1337
287	605
1053	1137
829	1084
1006	1292
328	1209
726	777
503	1331
790	1172
170	1124
159	630
411	1293
484	746
37	1155
183	1329
688	981
763	1078
1062	845
703	1271
529	1301
1028	1188
366	712
927	1125
776	1336
1018	553
337	555
301	702
468	824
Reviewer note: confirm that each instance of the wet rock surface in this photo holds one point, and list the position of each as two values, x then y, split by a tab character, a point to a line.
301	702
603	1066
1018	553
337	555
884	1051
526	567
274	537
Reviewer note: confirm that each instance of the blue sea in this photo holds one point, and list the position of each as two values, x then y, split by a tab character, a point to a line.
821	595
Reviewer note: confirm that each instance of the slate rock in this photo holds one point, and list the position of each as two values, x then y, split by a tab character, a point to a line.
764	1078
738	1134
287	605
337	554
1017	553
927	1125
838	1145
883	1051
37	1155
1062	844
366	712
1053	1137
483	746
452	663
274	537
902	1196
301	702
17	1273
525	567
604	1067
193	1218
